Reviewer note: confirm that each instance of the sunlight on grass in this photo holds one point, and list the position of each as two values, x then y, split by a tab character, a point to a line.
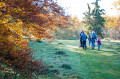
107	54
71	46
85	64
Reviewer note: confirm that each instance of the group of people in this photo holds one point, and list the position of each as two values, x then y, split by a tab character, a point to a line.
92	38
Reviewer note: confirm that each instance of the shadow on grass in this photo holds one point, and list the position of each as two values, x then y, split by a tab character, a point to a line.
85	64
102	64
48	54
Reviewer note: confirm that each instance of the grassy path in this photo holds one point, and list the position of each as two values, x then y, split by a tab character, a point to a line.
85	64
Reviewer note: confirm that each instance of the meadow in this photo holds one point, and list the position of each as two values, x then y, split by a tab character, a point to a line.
66	60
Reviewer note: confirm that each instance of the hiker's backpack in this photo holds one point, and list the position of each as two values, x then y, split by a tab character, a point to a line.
92	36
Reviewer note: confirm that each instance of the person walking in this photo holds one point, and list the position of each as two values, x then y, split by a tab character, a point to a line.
84	37
80	44
89	39
93	38
99	43
95	35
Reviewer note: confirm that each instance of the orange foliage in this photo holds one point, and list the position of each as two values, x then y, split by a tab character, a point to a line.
28	18
111	22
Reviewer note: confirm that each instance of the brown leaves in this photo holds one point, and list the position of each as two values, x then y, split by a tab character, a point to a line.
48	16
20	18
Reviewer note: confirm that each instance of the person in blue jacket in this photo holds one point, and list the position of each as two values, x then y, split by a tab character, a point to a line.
93	38
84	37
89	39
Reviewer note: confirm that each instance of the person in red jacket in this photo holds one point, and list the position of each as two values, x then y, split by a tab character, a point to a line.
99	43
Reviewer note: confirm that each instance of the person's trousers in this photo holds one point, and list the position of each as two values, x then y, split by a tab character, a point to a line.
93	45
84	44
90	43
98	46
81	43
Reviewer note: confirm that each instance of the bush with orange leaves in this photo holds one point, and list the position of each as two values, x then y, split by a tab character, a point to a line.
20	18
20	58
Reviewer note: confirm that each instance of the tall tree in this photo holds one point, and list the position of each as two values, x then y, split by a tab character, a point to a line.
98	20
94	19
87	22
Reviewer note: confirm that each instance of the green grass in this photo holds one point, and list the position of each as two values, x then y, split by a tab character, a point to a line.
85	64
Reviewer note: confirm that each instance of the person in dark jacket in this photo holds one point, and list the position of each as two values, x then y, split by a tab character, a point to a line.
80	44
84	37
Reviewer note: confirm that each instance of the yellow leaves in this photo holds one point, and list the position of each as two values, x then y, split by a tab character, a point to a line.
0	13
15	28
43	16
23	11
2	7
1	22
112	22
2	4
18	18
117	4
5	20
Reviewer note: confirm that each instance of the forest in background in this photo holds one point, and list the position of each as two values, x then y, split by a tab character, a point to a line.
105	26
46	19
